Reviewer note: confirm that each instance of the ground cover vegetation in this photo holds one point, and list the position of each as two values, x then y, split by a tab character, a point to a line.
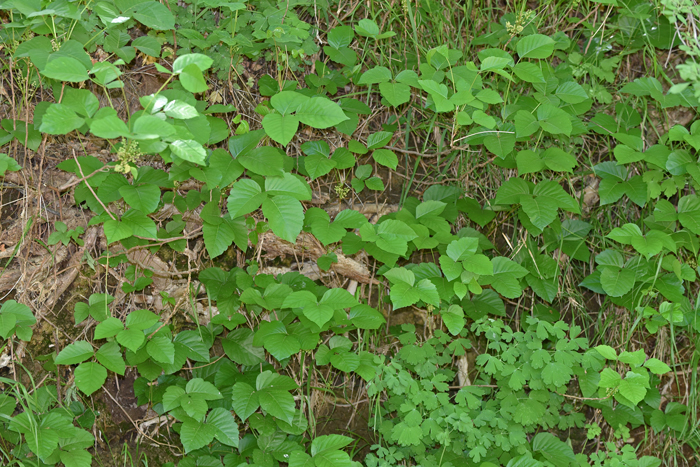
328	233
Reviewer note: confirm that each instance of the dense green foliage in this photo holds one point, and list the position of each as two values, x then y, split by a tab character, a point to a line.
239	386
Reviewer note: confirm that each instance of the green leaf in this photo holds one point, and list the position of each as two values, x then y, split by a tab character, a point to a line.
145	198
109	127
76	458
378	74
217	238
634	359
140	224
265	160
552	448
553	120
278	403
280	128
395	93
141	319
501	144
90	376
74	353
319	314
525	123
571	92
238	346
403	295
225	426
689	213
286	102
148	45
15	315
632	388
452	269
246	196
651	244
132	339
282	345
463	248
150	127
375	183
338	298
285	216
528	162
154	15
366	317
609	378
172	397
290	185
541	210
656	366
115	230
535	46
616	281
245	400
110	356
386	157
189	150
607	352
428	292
479	264
326	443
529	72
194	406
511	191
59	119
320	113
558	160
201	61
8	163
556	373
161	349
453	318
195	435
318	165
203	389
65	69
505	277
180	109
345	361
